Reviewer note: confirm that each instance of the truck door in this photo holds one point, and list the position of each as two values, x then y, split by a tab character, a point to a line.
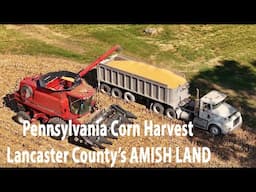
204	116
205	111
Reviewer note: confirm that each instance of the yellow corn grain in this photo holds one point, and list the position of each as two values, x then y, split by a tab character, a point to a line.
160	75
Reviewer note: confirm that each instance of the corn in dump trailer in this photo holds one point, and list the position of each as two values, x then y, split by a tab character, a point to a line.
163	90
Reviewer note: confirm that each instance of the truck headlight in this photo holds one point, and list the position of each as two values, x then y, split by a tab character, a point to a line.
228	124
226	120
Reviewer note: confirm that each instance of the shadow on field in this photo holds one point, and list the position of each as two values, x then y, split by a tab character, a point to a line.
253	63
91	78
239	82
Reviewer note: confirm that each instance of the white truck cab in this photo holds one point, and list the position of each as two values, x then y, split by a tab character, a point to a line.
216	115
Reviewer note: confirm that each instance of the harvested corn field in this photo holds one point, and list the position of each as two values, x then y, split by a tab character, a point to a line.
220	57
235	150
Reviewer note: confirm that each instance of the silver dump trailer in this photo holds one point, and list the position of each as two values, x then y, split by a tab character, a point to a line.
163	90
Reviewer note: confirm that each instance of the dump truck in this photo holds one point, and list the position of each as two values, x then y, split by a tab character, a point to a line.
57	97
166	92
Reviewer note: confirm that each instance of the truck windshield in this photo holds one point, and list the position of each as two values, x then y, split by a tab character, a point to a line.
79	106
218	104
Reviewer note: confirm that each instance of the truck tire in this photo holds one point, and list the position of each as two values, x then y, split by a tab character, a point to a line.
104	88
54	121
26	92
158	108
214	130
22	116
117	93
170	113
129	97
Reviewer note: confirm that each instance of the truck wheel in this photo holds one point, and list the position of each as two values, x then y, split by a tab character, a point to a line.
104	88
22	116
129	97
55	121
158	108
117	93
214	130
170	113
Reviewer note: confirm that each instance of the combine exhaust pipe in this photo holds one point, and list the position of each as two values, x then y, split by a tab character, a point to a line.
197	103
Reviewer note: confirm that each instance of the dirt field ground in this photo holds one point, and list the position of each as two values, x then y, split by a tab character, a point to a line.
235	150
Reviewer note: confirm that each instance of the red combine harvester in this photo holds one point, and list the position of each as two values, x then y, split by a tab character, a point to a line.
57	97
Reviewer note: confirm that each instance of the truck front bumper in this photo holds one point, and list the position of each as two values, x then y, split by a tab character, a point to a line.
234	125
